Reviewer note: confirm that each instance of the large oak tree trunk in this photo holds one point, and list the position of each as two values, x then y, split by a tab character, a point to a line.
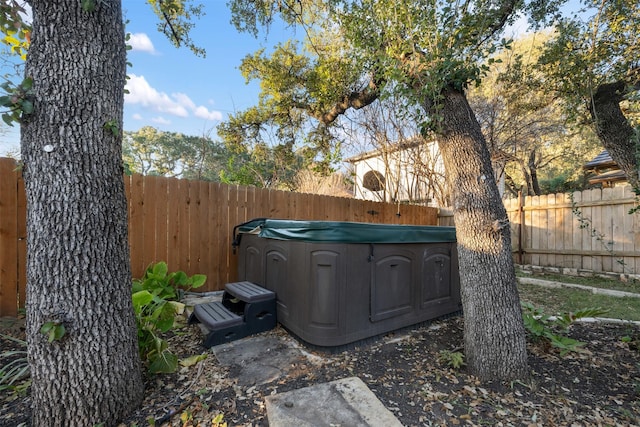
78	271
613	129
494	335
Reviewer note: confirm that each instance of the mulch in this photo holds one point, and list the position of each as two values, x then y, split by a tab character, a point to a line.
598	386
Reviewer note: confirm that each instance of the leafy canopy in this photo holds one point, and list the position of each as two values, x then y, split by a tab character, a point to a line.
598	44
355	52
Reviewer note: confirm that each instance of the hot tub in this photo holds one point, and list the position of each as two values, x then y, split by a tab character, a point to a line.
340	282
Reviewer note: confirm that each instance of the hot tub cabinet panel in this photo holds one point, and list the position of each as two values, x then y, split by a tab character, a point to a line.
331	293
437	267
392	279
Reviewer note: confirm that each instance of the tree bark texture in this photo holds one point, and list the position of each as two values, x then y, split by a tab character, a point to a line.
614	130
494	335
78	271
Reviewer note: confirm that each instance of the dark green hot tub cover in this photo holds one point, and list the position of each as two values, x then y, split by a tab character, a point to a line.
346	232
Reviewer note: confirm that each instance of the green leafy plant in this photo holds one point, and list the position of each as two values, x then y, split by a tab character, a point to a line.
632	340
14	367
54	330
111	126
17	101
89	5
453	359
552	329
156	303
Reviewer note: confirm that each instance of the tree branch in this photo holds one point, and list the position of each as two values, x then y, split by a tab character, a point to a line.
505	11
355	100
167	21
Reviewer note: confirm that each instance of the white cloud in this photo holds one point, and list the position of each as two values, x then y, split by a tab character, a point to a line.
184	100
178	104
137	116
141	92
161	120
140	42
204	113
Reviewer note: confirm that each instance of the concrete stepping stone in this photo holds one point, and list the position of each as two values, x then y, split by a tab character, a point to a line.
346	402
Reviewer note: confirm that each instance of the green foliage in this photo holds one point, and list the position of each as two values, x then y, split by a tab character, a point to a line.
15	31
596	44
562	183
632	340
155	303
550	329
282	133
453	359
112	127
14	368
525	124
357	52
263	166
176	22
88	5
54	330
17	100
149	151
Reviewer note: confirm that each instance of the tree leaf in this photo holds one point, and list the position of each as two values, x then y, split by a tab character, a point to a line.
160	269
178	307
190	361
8	119
58	332
27	84
164	362
198	280
27	107
141	298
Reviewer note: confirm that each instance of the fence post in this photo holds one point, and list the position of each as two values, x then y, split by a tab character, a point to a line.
521	219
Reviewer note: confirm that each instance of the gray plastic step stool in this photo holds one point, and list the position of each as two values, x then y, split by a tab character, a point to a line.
245	309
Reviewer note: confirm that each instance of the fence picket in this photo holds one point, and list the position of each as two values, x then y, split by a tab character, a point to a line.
173	224
161	236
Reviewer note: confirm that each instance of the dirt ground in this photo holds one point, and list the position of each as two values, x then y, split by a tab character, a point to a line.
600	386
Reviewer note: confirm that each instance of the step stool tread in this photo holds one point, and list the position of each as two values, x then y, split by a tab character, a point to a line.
214	315
249	292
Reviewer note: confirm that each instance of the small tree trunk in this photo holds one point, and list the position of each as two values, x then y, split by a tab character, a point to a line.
78	272
614	131
494	335
533	173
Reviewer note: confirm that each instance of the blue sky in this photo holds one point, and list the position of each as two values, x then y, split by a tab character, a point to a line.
174	90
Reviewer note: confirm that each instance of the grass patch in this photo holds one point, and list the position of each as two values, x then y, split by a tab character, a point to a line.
553	301
596	282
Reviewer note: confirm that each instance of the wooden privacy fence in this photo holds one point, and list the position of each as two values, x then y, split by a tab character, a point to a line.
593	232
12	238
188	224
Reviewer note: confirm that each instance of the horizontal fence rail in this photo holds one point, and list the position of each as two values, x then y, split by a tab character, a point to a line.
188	224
